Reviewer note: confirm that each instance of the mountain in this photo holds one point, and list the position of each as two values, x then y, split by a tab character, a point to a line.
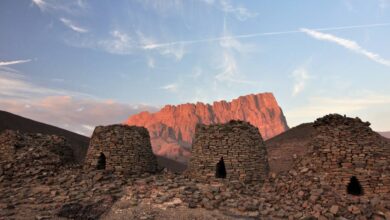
172	128
282	148
78	142
385	134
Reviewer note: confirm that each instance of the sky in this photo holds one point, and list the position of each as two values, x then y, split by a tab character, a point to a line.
77	64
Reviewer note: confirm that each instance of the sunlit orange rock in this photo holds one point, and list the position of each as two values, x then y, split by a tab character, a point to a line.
172	128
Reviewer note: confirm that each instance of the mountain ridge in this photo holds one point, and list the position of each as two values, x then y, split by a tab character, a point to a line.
172	128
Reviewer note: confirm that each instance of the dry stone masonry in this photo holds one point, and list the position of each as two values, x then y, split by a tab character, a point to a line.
348	151
25	154
122	149
236	146
345	174
39	179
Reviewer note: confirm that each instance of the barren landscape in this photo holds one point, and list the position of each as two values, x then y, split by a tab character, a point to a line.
194	110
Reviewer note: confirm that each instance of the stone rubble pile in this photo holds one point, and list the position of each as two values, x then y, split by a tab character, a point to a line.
32	155
38	178
279	198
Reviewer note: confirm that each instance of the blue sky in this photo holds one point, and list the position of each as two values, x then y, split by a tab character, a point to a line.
77	64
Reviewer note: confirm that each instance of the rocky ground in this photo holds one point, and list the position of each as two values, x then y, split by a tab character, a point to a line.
168	196
76	194
40	181
70	193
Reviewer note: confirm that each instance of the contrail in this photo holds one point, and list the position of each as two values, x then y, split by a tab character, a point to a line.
6	63
160	45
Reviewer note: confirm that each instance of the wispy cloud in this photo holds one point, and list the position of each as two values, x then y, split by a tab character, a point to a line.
228	65
119	43
171	87
240	12
125	43
164	7
254	35
147	43
384	4
300	76
151	63
72	7
348	44
41	4
73	26
14	85
13	62
229	70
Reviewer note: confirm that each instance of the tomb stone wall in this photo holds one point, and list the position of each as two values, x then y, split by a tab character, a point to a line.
239	143
8	141
25	154
344	147
127	149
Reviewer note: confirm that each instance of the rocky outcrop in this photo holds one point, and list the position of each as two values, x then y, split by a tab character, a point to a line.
173	127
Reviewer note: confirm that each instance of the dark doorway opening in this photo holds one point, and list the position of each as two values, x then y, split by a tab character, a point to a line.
220	170
354	187
101	164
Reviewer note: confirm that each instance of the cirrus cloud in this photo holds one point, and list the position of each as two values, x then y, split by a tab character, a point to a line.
348	44
73	26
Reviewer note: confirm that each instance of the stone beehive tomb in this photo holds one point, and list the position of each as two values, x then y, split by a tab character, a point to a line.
234	151
352	158
122	149
25	154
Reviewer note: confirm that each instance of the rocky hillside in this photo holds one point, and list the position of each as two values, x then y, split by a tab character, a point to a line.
385	134
294	141
10	121
172	128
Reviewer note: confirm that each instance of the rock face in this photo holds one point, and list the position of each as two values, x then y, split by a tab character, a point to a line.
173	127
122	149
234	149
